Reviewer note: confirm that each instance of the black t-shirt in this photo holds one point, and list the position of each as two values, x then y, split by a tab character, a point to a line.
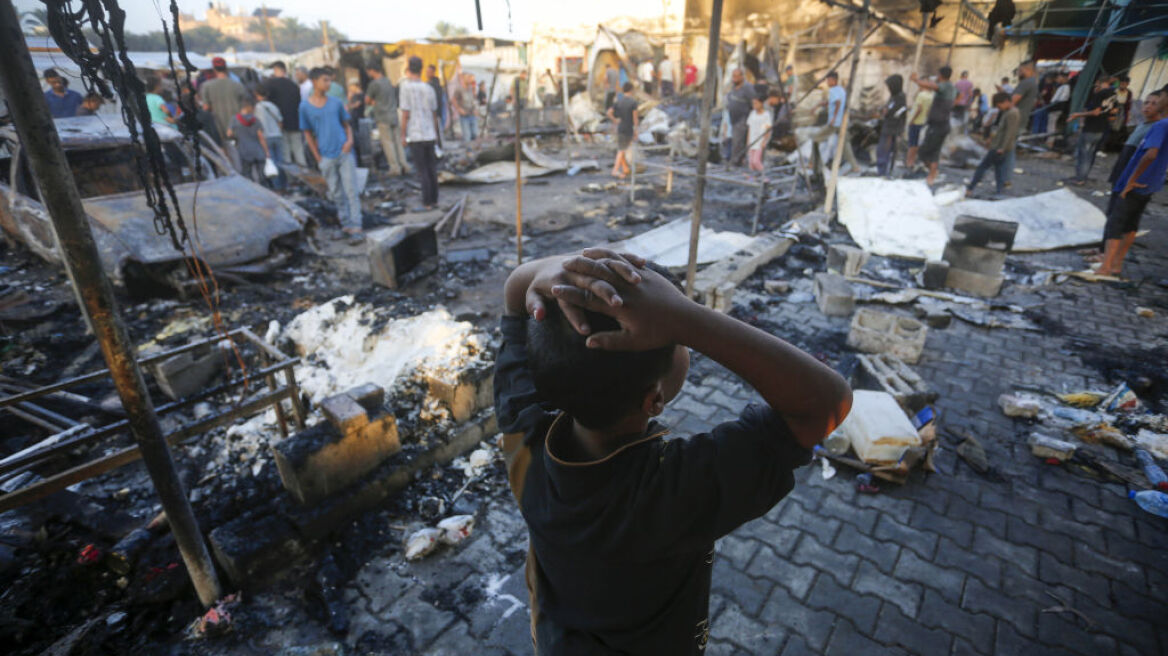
285	95
1096	100
621	548
624	108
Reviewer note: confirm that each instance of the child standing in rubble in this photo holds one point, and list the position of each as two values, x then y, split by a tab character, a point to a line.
624	113
758	132
622	522
248	133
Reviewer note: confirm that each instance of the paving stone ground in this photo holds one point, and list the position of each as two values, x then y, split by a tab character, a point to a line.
950	563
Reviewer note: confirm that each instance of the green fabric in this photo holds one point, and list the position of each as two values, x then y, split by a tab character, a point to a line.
157	108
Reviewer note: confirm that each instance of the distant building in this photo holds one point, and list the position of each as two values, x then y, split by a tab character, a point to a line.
238	24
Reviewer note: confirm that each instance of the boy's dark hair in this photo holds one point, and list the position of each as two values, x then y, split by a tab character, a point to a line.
415	65
50	73
280	65
1000	97
316	73
628	87
945	72
597	388
832	75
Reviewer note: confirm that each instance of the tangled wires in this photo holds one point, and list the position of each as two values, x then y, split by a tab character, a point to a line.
110	66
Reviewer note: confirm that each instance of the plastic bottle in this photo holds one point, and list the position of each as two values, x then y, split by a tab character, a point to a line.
1155	475
1151	501
837	443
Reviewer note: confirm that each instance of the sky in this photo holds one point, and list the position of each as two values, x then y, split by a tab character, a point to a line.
392	20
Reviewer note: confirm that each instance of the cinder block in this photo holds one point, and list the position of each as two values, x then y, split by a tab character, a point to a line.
881	332
320	460
846	260
185	374
251	548
834	295
463	392
368	396
934	275
344	413
722	299
889	373
988	233
395	251
973	283
977	259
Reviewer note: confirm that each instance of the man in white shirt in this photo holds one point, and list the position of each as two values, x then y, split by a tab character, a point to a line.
419	108
1058	105
666	74
646	74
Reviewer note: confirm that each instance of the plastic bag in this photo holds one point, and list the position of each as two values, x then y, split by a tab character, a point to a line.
270	169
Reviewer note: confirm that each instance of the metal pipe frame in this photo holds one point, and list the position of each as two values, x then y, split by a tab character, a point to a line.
288	391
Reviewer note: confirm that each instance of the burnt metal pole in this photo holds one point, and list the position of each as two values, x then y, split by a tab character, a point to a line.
39	139
861	28
704	144
518	177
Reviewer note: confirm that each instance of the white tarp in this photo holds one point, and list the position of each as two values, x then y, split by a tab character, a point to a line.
894	218
668	245
1053	219
901	218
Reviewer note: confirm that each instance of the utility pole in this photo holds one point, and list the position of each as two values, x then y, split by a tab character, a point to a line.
953	42
46	158
708	93
861	32
268	27
518	176
324	35
916	67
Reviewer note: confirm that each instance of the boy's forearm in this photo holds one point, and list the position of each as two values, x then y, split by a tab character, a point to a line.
810	396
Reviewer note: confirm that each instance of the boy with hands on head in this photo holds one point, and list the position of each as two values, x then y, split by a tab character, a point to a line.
622	522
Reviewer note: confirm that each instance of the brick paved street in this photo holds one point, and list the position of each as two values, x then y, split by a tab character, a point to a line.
950	563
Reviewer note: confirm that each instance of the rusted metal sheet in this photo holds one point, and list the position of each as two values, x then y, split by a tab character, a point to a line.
236	219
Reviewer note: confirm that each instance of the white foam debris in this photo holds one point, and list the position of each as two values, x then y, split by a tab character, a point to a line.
421	543
343	344
457	528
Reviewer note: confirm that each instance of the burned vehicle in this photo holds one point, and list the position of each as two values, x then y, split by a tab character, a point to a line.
232	220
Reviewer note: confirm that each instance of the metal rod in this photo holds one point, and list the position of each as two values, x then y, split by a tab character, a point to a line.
704	143
102	373
921	40
38	136
829	202
88	470
762	191
123	424
953	41
518	178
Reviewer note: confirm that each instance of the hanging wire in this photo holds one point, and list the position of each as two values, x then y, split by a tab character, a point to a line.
109	66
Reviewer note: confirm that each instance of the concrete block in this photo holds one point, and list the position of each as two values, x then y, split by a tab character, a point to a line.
888	373
722	299
320	460
846	260
463	392
873	331
369	396
396	250
345	414
977	259
834	295
973	283
739	266
182	375
987	233
253	547
934	274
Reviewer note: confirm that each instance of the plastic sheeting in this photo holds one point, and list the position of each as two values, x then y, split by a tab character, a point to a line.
1046	221
901	218
668	245
894	218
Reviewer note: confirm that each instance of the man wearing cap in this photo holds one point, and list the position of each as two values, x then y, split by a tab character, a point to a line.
285	94
226	97
63	102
